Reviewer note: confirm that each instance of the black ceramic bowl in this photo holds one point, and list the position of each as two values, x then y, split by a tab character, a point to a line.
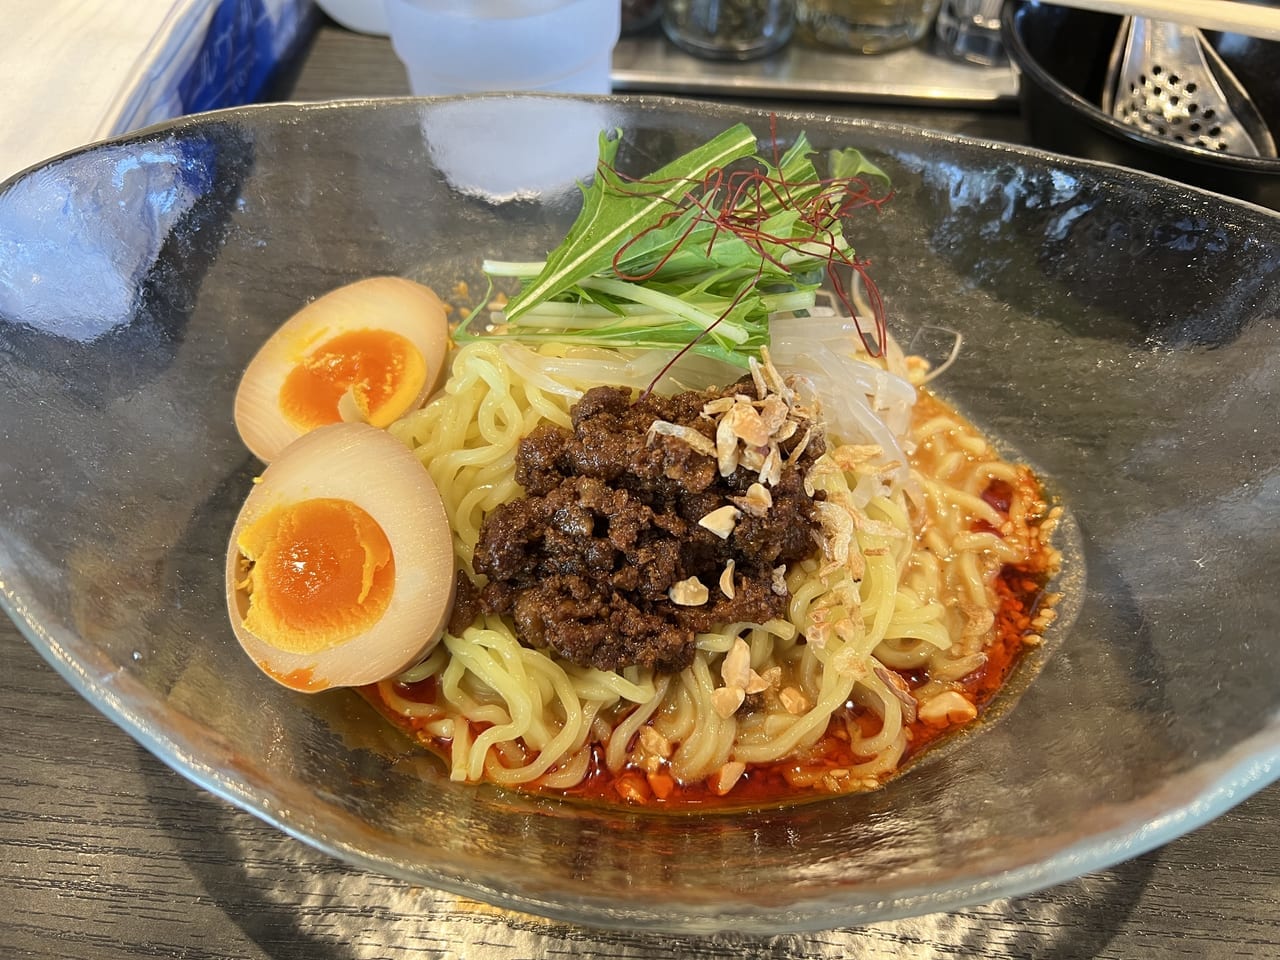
1063	56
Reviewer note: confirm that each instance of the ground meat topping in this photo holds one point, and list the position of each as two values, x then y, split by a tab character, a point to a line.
466	604
632	528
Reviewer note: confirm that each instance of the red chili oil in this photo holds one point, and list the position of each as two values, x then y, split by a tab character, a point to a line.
1021	590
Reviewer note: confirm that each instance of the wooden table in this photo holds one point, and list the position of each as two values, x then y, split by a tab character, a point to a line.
107	853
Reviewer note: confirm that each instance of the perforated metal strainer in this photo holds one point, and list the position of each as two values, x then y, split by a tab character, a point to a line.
1166	80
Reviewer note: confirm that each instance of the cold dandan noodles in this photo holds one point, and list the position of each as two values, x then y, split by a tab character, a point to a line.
930	575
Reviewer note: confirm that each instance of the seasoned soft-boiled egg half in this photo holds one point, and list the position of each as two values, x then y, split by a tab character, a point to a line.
340	565
371	351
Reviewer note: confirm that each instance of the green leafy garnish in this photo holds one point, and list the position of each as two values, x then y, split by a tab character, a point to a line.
697	255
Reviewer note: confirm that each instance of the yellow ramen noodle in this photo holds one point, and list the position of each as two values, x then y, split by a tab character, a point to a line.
828	705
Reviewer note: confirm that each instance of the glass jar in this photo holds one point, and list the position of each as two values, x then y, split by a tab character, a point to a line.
638	15
969	30
864	26
729	29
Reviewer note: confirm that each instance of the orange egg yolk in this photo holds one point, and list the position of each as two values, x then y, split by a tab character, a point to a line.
318	573
383	371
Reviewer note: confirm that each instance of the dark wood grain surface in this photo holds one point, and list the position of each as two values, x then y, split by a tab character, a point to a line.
106	853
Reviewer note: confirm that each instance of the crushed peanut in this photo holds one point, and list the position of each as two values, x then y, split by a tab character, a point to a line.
729	775
849	661
779	584
654	743
726	700
771	677
721	521
726	579
662	784
947	707
758	683
793	701
735	669
739	679
756	502
689	593
834	781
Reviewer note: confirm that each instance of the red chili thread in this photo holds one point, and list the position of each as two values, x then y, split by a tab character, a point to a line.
734	202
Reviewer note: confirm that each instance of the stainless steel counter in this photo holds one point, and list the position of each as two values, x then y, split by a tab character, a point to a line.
915	76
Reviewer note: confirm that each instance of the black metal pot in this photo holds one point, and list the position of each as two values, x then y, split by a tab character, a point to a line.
1062	55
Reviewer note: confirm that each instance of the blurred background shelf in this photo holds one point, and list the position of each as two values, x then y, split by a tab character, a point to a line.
649	63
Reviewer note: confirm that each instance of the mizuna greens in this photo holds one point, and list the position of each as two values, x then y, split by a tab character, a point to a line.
698	254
